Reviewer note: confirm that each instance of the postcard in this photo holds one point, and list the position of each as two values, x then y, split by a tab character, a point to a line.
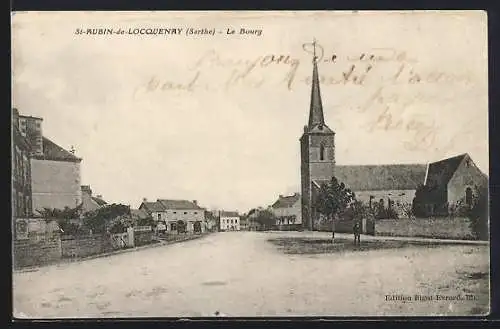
250	164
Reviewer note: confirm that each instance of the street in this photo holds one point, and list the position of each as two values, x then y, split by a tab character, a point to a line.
241	274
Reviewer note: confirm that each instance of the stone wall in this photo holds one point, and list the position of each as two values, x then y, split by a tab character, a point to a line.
347	226
440	227
35	252
84	245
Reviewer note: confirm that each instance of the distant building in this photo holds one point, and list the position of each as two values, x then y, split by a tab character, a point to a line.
287	210
90	202
229	221
172	211
21	170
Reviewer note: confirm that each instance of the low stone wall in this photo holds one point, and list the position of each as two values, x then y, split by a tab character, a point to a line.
441	227
81	246
347	226
29	252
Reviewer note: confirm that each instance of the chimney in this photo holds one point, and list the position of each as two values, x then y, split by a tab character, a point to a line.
281	195
87	189
99	196
305	129
195	202
144	199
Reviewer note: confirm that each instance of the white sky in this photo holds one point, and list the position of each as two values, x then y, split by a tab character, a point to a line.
235	145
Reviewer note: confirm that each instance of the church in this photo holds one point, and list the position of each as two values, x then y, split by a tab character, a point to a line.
451	179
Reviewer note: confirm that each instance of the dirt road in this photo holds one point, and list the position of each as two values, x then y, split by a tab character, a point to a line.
241	274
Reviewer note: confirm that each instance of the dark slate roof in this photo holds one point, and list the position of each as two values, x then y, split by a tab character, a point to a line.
229	214
440	172
99	201
178	204
381	177
138	213
153	206
286	201
52	151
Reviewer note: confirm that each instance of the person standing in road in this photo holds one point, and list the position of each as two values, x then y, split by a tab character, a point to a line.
357	233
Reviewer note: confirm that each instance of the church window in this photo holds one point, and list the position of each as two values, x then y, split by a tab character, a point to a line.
322	152
468	196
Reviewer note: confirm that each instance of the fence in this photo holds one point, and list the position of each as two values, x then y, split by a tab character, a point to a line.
142	235
440	227
120	241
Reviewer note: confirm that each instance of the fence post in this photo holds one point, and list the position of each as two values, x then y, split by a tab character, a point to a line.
363	225
130	232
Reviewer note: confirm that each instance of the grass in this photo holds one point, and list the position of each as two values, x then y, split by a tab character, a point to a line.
295	245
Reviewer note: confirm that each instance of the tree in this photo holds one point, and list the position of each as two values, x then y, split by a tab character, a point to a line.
332	199
102	219
63	218
406	209
266	219
146	221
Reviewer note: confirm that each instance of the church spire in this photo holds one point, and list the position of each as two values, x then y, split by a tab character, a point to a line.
316	108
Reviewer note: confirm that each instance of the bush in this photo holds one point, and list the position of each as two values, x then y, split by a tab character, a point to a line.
117	227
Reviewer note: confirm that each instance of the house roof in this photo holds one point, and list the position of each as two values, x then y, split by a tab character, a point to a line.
54	152
381	177
139	213
99	201
153	206
286	201
229	214
178	204
441	172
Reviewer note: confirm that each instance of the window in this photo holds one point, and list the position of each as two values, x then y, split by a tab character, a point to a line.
185	213
159	216
195	213
175	212
236	221
468	196
231	221
322	152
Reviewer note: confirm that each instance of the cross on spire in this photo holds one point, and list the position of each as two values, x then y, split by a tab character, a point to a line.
316	107
314	50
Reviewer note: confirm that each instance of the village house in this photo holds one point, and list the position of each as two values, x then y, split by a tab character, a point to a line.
55	172
287	210
229	220
170	212
89	201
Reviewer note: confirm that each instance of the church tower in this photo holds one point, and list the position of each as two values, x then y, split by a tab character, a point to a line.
317	152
